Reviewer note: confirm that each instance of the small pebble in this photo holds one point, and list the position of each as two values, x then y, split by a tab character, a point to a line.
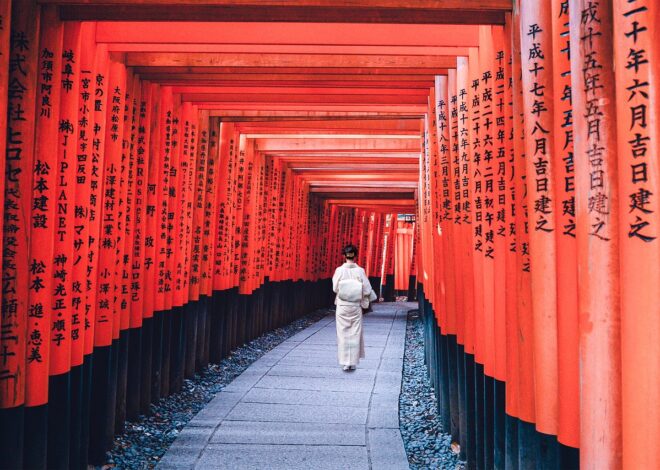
426	443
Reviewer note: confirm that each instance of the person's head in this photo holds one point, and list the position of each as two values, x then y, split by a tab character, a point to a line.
350	252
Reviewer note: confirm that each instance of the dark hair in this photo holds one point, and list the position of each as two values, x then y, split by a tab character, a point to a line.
350	248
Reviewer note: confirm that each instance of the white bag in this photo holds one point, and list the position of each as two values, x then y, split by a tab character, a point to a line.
350	290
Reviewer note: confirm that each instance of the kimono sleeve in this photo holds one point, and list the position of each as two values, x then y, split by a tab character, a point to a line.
366	285
335	280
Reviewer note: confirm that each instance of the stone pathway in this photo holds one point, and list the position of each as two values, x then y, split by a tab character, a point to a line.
295	408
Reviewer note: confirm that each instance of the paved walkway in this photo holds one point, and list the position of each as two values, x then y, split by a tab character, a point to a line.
295	408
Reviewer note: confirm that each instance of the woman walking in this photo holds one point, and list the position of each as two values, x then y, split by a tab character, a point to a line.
354	292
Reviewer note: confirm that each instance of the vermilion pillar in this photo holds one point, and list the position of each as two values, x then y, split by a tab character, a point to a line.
536	50
511	247
83	214
48	325
497	162
525	324
18	180
55	300
438	203
636	43
16	229
162	284
5	32
563	164
99	87
464	143
151	223
597	218
198	205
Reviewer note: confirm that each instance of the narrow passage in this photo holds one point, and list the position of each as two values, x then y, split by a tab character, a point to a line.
295	407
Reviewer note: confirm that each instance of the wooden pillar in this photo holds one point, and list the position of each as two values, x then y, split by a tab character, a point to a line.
636	52
67	240
140	345
84	221
141	299
49	294
525	325
536	54
128	130
563	163
152	146
22	82
106	156
512	360
597	216
5	34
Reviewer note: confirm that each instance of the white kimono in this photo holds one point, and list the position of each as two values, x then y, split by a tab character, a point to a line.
350	340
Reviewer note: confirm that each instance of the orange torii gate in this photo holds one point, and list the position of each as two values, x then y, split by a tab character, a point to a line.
173	189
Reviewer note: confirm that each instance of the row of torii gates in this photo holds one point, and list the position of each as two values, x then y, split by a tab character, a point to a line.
180	177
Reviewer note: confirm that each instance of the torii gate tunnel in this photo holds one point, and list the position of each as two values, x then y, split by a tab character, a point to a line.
180	177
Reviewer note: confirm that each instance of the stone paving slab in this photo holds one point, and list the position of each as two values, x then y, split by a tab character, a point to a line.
282	457
281	413
380	411
321	350
329	360
386	449
258	432
307	397
321	371
316	383
294	408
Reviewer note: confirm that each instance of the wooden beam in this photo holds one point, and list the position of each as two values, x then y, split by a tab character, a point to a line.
207	59
374	206
324	73
331	158
315	99
355	182
395	186
336	171
314	34
344	107
339	133
307	145
389	134
364	125
391	172
423	4
289	13
373	202
253	115
367	156
369	193
283	79
264	109
243	89
329	168
287	49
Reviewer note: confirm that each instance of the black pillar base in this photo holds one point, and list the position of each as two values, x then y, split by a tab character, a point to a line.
146	364
122	380
134	374
102	405
11	437
35	451
472	407
59	421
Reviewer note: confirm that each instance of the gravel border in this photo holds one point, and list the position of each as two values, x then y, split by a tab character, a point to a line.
145	441
426	443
